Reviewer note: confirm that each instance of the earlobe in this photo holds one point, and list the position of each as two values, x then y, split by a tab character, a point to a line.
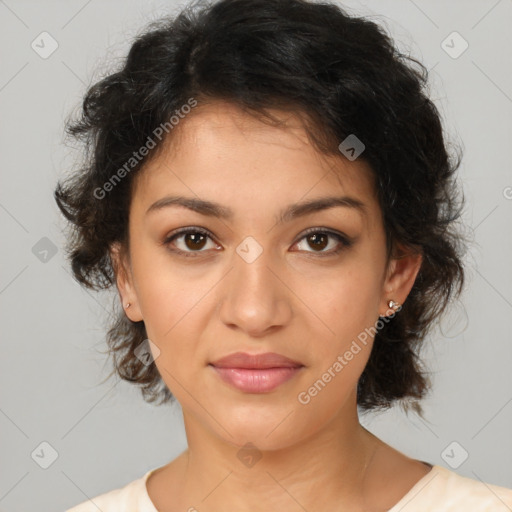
401	275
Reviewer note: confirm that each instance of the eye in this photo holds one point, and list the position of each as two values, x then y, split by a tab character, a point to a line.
318	239
189	240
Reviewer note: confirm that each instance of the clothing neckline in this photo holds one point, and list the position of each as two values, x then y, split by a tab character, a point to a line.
146	500
422	482
416	488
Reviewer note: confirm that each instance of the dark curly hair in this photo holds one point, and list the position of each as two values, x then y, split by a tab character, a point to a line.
342	75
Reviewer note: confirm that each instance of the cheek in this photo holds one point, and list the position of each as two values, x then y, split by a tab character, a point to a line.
345	303
345	340
171	305
164	294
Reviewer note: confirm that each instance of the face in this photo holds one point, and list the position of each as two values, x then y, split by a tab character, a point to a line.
254	274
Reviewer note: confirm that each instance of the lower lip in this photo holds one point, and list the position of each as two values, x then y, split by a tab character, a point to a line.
254	380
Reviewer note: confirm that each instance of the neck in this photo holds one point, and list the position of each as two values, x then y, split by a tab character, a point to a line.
218	475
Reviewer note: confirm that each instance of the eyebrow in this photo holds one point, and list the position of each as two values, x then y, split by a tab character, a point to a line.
293	211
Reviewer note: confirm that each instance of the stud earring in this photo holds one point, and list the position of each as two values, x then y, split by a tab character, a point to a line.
394	305
127	305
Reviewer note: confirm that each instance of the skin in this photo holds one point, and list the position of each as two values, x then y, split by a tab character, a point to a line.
290	300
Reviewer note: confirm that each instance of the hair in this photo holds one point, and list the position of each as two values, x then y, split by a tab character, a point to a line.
343	76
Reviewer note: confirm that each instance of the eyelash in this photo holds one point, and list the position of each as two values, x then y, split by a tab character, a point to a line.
344	241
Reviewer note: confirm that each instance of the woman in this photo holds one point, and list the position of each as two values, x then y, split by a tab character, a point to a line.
268	186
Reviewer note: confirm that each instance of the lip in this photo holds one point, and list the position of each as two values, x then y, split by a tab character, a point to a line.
256	373
255	361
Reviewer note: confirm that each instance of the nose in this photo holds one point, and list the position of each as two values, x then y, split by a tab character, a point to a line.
255	299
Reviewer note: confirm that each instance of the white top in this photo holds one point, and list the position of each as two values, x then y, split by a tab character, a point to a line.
440	490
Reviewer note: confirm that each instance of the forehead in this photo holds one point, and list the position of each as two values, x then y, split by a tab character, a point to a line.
218	150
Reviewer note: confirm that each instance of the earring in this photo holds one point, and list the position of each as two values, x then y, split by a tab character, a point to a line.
127	305
394	305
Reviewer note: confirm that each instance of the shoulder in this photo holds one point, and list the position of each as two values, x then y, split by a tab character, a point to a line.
444	490
132	497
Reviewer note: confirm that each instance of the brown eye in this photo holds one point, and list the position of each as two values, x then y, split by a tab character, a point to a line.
194	241
188	241
320	239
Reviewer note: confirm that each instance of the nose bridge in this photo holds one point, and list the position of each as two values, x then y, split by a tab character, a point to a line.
254	299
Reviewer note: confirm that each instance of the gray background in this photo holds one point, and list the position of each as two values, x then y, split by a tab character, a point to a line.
53	363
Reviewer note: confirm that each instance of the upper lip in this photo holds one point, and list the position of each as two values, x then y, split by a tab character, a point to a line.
260	361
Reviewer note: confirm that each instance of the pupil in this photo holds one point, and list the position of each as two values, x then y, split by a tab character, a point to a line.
315	238
194	238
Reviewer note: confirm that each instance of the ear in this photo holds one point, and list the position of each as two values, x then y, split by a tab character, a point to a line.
400	276
124	282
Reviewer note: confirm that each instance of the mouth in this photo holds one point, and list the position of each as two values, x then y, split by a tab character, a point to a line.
258	373
252	380
256	361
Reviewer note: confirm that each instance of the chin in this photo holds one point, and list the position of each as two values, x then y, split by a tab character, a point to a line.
267	428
